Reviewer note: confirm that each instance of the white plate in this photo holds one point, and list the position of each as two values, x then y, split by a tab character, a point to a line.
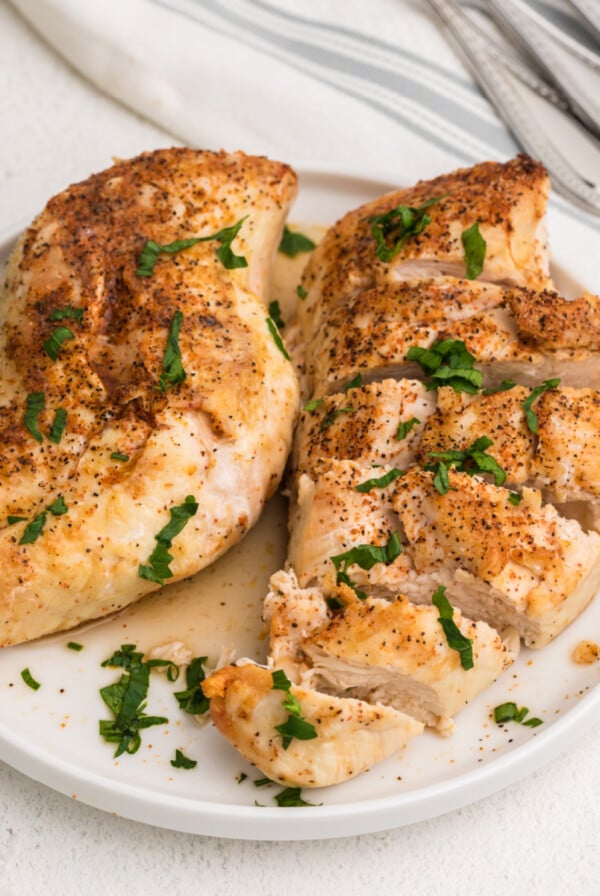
52	734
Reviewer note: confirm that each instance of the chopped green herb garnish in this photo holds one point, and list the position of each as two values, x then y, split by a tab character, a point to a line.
118	455
405	426
30	680
58	426
58	507
225	254
515	498
73	645
455	638
159	562
34	529
504	386
262	782
126	698
241	777
469	460
532	420
332	416
280	681
302	293
354	383
312	405
391	229
275	314
182	761
295	726
365	556
15	519
509	712
53	344
68	311
277	338
293	243
382	482
475	247
173	371
334	603
36	402
447	363
193	700
291	796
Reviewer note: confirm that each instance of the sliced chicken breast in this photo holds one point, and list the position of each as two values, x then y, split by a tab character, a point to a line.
172	391
350	735
396	653
522	566
507	199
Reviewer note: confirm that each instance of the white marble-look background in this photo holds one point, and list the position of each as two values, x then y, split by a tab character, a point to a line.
540	836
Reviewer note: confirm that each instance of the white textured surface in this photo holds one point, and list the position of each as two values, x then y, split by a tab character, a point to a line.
537	837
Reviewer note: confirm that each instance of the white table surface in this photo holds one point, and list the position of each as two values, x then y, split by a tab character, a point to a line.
538	836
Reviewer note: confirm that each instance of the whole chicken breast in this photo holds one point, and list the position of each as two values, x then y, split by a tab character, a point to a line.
507	199
177	404
350	735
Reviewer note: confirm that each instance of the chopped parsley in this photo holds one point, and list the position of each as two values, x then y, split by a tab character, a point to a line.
36	402
68	312
334	603
53	344
515	498
381	482
468	460
405	426
391	229
275	314
504	386
58	506
295	726
354	383
225	254
509	712
365	556
293	243
292	796
193	700
58	426
36	526
301	292
531	416
455	638
277	338
30	680
126	699
173	371
11	520
73	645
262	782
241	777
475	247
312	405
332	416
182	761
448	363
158	567
118	455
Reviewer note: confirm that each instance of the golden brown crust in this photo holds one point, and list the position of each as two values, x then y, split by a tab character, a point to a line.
551	322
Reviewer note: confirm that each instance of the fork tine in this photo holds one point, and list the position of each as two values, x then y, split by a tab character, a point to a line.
590	13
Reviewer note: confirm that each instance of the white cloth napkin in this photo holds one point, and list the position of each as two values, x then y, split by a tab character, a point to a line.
371	87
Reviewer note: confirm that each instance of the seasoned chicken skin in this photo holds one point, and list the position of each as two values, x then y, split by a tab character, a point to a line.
137	441
507	199
396	653
351	735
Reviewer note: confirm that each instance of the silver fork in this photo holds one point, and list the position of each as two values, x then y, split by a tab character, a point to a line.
490	71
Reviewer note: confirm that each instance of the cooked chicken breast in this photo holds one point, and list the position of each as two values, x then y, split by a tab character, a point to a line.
548	321
397	654
522	566
351	735
292	613
507	199
378	423
172	389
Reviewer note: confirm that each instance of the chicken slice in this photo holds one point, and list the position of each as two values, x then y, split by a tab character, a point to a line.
374	331
522	566
214	422
548	321
331	517
507	199
351	736
292	613
364	424
396	653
